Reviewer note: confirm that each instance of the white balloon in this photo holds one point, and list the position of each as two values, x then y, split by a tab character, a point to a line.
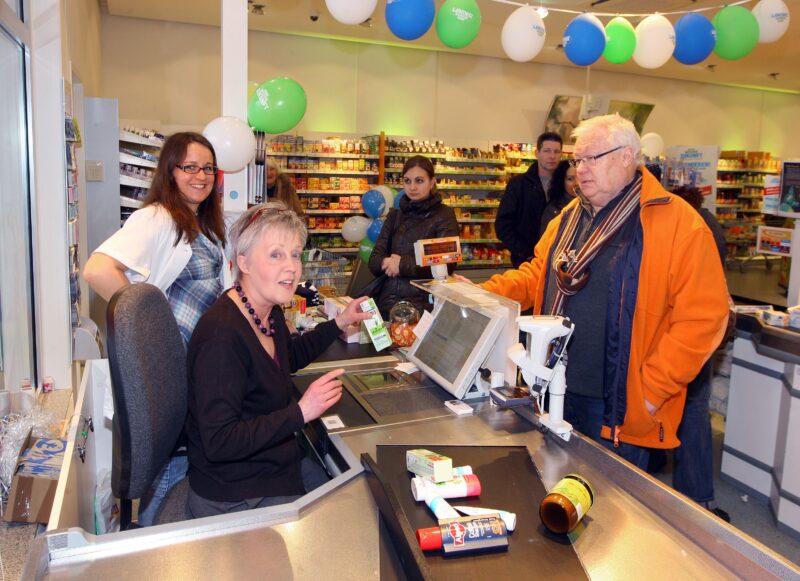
233	141
523	34
652	144
354	228
388	195
351	11
773	19
655	41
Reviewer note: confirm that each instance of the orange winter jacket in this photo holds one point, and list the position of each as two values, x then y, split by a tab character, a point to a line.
680	315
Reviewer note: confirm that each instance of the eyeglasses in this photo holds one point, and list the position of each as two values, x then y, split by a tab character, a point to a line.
191	168
591	160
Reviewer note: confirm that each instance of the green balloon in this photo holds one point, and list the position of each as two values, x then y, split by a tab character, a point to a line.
365	249
620	41
458	22
276	105
737	32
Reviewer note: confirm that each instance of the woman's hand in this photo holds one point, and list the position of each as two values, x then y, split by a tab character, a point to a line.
352	314
391	265
320	395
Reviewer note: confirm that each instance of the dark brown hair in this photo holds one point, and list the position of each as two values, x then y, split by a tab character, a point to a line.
164	191
691	194
425	165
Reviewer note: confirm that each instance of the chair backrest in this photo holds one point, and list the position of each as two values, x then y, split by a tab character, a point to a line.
149	383
359	278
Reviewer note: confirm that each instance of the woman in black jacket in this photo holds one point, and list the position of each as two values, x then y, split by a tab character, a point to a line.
561	192
422	215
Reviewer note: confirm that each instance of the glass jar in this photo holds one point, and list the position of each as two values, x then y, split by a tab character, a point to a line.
403	317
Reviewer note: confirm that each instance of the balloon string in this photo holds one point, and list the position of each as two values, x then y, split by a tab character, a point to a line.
626	15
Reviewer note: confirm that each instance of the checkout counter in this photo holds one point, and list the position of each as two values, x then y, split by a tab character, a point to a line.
636	529
761	450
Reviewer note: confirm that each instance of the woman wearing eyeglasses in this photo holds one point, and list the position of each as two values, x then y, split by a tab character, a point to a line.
173	242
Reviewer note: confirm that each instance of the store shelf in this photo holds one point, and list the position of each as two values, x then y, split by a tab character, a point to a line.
480	241
134	160
474	206
475	188
751	197
133	182
749	210
721	186
490	161
127	202
337	172
413	153
767	171
517	170
331	192
476	220
325	231
128	137
315	212
751	185
727	205
322	155
343	250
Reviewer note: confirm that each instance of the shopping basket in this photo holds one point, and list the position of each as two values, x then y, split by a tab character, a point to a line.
325	269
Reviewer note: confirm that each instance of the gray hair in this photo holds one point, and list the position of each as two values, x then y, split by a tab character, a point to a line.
252	224
617	130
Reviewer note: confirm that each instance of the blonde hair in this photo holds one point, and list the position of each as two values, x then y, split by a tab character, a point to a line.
617	131
251	225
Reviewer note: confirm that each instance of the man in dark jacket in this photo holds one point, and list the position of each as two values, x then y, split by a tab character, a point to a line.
520	211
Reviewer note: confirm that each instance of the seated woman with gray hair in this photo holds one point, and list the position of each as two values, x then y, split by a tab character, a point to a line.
243	414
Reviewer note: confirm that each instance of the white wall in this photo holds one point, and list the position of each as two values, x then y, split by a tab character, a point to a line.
169	74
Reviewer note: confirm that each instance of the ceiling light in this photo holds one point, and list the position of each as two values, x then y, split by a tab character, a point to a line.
542	11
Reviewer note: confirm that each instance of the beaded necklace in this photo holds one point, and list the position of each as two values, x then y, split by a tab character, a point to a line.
269	332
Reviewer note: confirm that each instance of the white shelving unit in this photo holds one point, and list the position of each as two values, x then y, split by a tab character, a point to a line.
138	158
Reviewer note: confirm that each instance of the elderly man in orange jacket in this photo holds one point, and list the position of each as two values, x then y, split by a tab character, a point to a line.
635	268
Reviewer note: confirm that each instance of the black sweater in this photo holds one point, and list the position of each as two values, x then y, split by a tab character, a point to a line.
242	409
519	214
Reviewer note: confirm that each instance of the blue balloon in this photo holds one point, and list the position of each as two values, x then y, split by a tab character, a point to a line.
409	19
374	229
584	41
695	38
399	195
373	203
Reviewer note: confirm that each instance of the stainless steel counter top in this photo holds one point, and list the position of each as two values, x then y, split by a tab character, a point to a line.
637	528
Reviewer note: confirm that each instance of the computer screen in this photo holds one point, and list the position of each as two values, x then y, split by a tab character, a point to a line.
455	345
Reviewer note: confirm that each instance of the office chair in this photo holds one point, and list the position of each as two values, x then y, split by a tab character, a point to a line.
149	382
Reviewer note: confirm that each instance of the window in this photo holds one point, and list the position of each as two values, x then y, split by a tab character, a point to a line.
17	354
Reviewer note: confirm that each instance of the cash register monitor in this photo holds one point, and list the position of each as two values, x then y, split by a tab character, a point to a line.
455	346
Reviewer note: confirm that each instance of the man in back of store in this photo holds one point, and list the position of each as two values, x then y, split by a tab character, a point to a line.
636	270
522	204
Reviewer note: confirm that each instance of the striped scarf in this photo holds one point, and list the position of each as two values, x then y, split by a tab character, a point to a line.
571	268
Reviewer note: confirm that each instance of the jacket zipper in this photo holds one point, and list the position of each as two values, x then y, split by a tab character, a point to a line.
660	431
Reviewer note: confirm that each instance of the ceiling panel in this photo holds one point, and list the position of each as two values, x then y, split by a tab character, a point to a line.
295	17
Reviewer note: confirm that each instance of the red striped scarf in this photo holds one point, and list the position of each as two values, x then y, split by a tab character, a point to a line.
571	268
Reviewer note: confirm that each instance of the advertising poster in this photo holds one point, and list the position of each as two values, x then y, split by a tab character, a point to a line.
772	194
789	202
776	241
693	166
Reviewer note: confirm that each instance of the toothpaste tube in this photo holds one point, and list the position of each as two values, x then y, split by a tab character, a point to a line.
469	534
461	487
441	508
509	518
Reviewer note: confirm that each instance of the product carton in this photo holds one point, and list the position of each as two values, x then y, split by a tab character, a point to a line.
35	479
335	305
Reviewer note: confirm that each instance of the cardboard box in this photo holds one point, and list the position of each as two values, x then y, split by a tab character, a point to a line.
335	305
35	480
